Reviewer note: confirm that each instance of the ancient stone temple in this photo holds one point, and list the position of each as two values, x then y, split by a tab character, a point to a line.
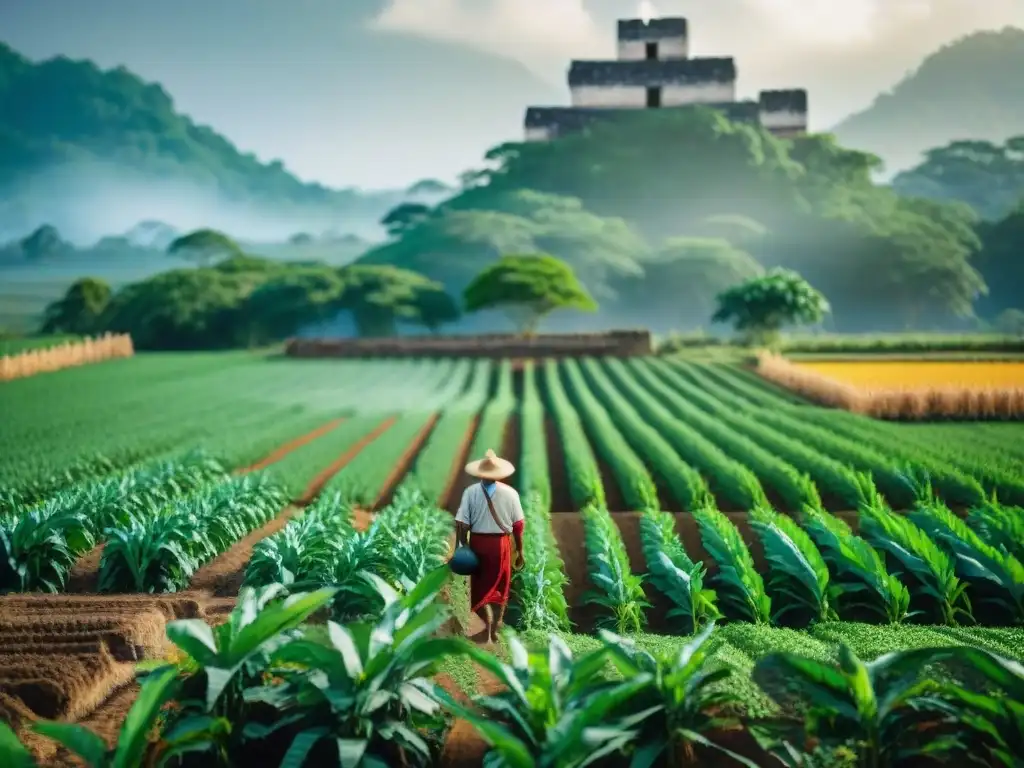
655	71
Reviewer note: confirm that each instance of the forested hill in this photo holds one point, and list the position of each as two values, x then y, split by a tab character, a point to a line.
114	119
969	89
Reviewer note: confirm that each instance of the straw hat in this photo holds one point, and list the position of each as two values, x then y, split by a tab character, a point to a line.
490	467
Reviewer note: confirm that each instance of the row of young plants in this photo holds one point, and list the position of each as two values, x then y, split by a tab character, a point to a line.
432	469
615	589
538	594
775	474
685	483
40	544
878	453
669	444
153	551
833	479
267	688
110	409
321	547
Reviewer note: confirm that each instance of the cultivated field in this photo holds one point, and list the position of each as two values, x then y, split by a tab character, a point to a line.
921	374
140	491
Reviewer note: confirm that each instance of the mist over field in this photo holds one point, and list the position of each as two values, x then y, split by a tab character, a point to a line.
89	201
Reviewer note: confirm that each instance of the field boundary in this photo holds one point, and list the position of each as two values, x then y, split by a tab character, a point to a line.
612	343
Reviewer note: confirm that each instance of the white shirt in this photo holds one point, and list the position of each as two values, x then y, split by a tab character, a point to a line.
474	513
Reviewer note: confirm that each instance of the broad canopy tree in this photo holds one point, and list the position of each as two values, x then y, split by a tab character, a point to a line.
528	288
762	307
80	310
204	246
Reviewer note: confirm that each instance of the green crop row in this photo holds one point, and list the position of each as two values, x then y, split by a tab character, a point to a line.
731	482
300	467
40	544
790	486
538	589
433	467
832	478
303	554
580	464
635	482
161	552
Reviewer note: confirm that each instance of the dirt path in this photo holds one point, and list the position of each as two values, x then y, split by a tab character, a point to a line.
569	533
561	501
281	451
458	480
404	463
223	576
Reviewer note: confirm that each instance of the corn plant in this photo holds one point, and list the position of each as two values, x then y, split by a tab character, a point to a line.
39	548
675	575
362	695
553	709
999	526
303	554
132	744
616	590
888	708
933	570
799	576
996	578
161	553
741	593
681	702
859	573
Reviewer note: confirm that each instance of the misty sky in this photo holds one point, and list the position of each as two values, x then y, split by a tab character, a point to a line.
329	87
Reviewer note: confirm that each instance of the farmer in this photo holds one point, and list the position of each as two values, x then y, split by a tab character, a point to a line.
490	513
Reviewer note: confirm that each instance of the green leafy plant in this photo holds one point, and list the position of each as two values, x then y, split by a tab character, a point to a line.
362	696
887	707
799	574
615	588
675	575
553	709
681	703
740	590
761	306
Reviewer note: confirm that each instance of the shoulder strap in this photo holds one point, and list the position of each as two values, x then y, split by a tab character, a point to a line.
494	515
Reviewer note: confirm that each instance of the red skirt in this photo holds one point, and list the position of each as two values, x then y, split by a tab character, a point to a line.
492	581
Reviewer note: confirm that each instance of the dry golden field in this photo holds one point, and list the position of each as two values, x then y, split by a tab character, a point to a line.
921	374
907	390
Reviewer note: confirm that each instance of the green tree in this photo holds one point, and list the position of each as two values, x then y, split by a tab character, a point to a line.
80	309
761	307
436	307
404	217
528	288
285	303
682	278
1010	322
380	296
1000	263
203	246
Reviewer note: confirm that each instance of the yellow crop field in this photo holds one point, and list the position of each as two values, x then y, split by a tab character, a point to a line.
920	374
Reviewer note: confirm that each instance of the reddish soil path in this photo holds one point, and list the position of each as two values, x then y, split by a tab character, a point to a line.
561	501
281	451
404	463
569	533
223	576
317	483
458	480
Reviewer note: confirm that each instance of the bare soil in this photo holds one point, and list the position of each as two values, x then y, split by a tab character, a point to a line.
612	492
458	481
560	498
404	463
568	530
